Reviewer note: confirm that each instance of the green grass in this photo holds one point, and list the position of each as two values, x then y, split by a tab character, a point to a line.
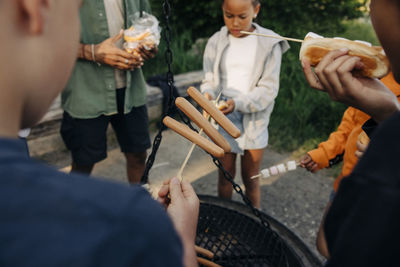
360	29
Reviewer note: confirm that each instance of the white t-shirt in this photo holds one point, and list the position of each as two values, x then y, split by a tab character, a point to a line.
115	19
237	64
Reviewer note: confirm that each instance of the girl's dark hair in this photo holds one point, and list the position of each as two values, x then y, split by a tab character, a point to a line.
254	2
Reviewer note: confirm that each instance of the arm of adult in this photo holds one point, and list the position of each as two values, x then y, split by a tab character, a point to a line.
333	75
108	53
183	207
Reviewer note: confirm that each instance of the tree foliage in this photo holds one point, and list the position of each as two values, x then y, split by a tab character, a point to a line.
287	17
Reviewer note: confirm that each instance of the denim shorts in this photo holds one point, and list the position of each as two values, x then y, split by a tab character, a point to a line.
237	119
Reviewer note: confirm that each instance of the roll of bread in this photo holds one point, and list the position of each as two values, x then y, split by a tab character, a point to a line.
376	64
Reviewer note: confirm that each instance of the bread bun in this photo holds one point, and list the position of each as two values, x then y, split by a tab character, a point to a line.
376	64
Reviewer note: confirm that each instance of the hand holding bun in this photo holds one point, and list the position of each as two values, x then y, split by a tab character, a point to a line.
375	63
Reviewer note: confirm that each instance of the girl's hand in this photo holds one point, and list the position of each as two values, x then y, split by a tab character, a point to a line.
230	108
333	75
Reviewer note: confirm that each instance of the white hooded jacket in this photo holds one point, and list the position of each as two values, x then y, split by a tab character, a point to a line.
257	105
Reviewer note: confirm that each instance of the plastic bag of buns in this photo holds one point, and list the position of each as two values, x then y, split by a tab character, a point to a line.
144	31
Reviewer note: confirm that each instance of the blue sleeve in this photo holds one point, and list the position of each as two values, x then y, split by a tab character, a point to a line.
145	235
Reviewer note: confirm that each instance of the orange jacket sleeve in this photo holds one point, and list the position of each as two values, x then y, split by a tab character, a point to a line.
336	143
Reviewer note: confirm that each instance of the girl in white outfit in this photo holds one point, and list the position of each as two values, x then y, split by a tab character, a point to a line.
246	68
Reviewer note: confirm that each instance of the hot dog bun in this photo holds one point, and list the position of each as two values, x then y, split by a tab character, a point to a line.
376	65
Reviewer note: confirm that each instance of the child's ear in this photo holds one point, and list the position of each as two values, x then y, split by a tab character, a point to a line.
31	16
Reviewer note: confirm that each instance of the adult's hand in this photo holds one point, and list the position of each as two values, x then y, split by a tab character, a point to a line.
308	163
108	53
334	76
183	207
146	53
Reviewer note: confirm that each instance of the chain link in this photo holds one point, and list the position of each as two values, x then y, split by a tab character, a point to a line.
170	81
239	190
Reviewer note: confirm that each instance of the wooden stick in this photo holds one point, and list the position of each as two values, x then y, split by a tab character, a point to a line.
180	177
273	36
207	262
204	252
259	175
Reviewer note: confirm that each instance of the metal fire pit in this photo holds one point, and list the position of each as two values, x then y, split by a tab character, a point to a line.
237	238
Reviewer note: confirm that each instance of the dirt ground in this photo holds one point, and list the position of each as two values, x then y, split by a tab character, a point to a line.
297	198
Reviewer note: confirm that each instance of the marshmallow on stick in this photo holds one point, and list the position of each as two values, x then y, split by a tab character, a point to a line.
277	169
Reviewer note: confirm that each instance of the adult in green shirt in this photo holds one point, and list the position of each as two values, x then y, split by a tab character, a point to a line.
107	86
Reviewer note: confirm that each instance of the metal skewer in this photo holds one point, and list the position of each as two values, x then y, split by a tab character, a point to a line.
273	36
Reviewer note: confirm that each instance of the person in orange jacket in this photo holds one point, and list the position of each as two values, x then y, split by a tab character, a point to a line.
341	145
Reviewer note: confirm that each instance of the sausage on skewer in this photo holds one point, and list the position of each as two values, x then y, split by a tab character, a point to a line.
193	137
200	121
215	113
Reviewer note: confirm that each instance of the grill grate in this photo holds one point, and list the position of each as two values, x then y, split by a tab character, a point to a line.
236	237
237	240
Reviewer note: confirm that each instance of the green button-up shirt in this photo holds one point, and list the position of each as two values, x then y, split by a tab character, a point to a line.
90	91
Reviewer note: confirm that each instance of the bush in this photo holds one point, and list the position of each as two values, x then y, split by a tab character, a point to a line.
288	17
183	60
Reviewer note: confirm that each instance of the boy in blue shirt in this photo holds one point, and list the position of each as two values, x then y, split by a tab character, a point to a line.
48	218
